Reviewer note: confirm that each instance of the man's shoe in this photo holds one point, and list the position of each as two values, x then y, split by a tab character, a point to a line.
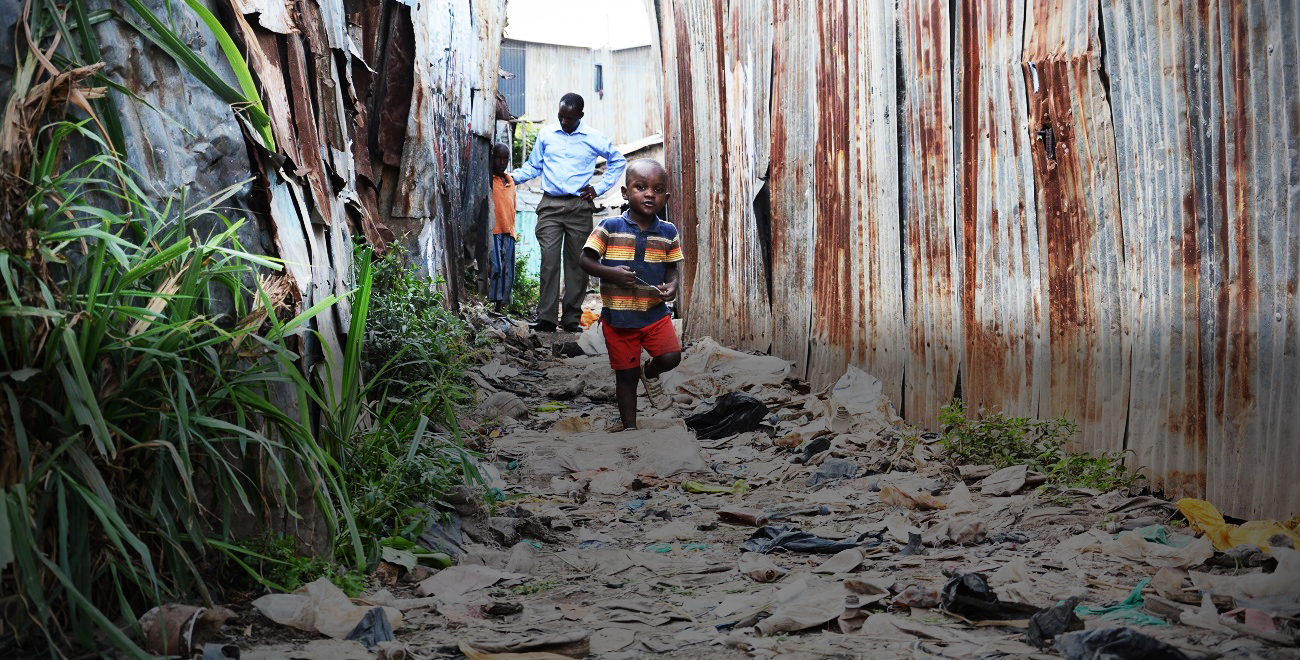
542	326
654	390
573	327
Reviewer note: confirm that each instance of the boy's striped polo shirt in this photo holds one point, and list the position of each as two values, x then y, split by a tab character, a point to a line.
618	241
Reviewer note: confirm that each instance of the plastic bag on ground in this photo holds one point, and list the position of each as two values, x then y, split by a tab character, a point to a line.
1115	644
771	537
1131	611
732	414
1204	517
1005	481
904	498
1276	593
319	606
707	365
592	339
760	568
968	595
857	391
1132	546
1053	621
801	606
372	629
830	470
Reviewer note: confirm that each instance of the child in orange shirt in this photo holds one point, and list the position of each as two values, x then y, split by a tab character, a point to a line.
502	258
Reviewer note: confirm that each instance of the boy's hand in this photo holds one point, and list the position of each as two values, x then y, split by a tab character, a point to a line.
667	290
624	277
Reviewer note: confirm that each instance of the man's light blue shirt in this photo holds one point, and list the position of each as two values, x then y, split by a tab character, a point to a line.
567	161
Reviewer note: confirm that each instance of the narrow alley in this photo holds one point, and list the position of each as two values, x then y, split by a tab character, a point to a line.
800	524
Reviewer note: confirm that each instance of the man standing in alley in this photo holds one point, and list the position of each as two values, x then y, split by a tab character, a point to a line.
565	157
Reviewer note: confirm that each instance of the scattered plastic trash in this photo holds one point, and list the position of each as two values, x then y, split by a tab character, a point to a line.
1005	481
800	606
852	619
1131	610
771	537
563	645
591	544
176	629
1277	593
1009	537
631	505
917	596
742	516
968	595
1162	535
450	584
712	489
901	497
220	651
502	405
857	391
832	469
696	546
1048	623
843	561
760	568
1114	644
733	413
659	547
372	629
1205	518
324	608
815	446
913	546
1132	546
553	406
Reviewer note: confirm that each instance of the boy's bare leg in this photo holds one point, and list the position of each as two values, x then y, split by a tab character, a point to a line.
625	383
662	364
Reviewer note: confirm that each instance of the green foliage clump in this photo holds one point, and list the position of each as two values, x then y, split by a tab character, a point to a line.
413	344
273	561
525	291
524	138
1002	441
141	355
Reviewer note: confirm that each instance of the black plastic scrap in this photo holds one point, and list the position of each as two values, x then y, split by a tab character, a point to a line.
791	538
373	628
1115	644
734	412
968	595
913	546
1053	621
832	469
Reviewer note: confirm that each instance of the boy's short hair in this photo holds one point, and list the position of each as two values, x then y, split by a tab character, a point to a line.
639	163
573	101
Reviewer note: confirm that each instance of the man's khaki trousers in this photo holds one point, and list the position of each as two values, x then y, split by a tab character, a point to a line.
563	224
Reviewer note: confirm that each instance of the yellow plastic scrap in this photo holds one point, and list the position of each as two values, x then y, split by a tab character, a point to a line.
1207	519
710	489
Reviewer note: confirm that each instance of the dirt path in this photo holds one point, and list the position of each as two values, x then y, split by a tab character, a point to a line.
600	546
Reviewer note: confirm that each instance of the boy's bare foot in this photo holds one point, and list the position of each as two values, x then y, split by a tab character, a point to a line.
654	390
617	427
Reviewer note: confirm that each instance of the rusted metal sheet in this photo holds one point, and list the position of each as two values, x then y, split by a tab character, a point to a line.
794	134
1079	221
719	223
857	314
1245	96
932	282
1153	65
1004	314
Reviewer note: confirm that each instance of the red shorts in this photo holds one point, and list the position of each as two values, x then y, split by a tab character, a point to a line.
625	344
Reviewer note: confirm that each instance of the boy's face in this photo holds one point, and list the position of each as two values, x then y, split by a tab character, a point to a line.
646	191
569	118
500	160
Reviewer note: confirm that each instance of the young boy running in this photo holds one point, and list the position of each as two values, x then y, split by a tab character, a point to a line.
502	259
635	256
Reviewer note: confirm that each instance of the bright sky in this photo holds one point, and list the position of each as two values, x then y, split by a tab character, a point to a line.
587	23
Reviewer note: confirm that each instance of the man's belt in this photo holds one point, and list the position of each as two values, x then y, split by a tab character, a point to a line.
546	194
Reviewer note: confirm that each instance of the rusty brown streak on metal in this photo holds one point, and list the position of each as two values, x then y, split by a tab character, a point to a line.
979	346
394	106
304	120
687	218
721	232
1240	322
832	271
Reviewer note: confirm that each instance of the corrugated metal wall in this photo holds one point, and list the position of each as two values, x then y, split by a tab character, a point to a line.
1054	207
630	108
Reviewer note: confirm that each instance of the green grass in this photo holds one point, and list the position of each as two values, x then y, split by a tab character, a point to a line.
139	365
994	438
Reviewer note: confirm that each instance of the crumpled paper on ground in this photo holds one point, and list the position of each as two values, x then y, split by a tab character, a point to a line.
450	584
1276	593
760	568
908	499
319	606
1204	517
1132	546
801	606
708	368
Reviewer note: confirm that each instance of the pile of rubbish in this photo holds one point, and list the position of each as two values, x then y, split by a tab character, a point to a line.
759	518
